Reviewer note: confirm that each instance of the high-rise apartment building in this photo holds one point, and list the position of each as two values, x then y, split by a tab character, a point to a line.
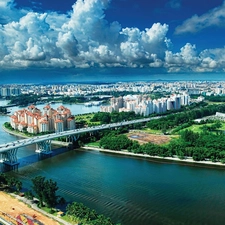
33	120
144	105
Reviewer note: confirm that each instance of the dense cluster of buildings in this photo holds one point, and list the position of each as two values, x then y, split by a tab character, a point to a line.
10	91
191	87
143	105
33	120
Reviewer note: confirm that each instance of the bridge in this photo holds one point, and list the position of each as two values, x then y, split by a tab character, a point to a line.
9	150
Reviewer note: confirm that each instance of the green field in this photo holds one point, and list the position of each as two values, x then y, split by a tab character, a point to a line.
93	144
151	131
86	118
197	128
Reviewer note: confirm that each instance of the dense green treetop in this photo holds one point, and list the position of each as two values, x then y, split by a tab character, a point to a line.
45	191
215	98
87	216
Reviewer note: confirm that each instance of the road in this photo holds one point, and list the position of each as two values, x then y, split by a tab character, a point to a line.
28	141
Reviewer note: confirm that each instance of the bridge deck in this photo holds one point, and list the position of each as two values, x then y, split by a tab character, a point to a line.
34	140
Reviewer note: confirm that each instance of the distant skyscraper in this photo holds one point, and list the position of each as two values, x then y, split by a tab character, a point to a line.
144	105
5	91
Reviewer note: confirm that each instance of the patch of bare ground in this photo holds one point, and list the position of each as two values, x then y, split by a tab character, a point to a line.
11	208
143	138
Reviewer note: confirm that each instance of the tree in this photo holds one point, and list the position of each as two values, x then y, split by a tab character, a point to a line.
45	191
79	211
62	201
18	185
3	179
12	183
105	118
38	187
216	125
50	197
29	195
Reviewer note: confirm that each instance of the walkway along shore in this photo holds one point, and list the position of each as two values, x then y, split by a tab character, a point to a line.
124	152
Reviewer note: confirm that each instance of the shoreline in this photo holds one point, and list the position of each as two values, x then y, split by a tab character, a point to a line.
126	153
188	160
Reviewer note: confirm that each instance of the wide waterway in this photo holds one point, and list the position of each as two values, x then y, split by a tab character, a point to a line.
130	190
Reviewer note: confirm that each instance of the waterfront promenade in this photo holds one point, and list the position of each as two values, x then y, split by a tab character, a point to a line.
188	160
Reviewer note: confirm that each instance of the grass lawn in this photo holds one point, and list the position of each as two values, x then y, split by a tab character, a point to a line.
214	103
223	126
68	219
55	213
197	128
194	128
87	118
151	131
93	144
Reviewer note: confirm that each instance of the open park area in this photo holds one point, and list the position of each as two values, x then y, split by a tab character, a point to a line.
12	209
143	137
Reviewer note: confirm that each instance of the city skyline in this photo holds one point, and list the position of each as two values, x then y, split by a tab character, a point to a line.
103	40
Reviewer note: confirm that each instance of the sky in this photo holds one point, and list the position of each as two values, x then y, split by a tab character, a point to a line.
106	40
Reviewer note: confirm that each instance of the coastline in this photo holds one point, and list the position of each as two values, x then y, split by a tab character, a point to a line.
126	153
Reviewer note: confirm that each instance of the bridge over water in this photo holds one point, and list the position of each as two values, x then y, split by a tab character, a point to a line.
9	150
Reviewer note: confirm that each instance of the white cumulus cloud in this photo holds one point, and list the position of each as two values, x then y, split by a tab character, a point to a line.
81	38
215	17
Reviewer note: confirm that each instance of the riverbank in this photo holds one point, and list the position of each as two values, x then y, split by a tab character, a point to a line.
14	132
176	159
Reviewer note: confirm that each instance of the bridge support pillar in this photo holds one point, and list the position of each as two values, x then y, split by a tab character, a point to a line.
72	138
44	147
10	158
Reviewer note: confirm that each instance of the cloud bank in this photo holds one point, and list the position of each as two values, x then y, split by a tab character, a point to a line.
83	38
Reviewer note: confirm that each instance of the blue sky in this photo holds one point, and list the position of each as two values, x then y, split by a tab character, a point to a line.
118	39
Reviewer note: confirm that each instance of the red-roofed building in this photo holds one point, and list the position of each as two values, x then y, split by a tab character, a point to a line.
35	121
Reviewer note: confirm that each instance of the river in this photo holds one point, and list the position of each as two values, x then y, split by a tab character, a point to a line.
129	190
75	108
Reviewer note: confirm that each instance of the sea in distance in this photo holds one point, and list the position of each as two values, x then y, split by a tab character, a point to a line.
91	76
132	191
